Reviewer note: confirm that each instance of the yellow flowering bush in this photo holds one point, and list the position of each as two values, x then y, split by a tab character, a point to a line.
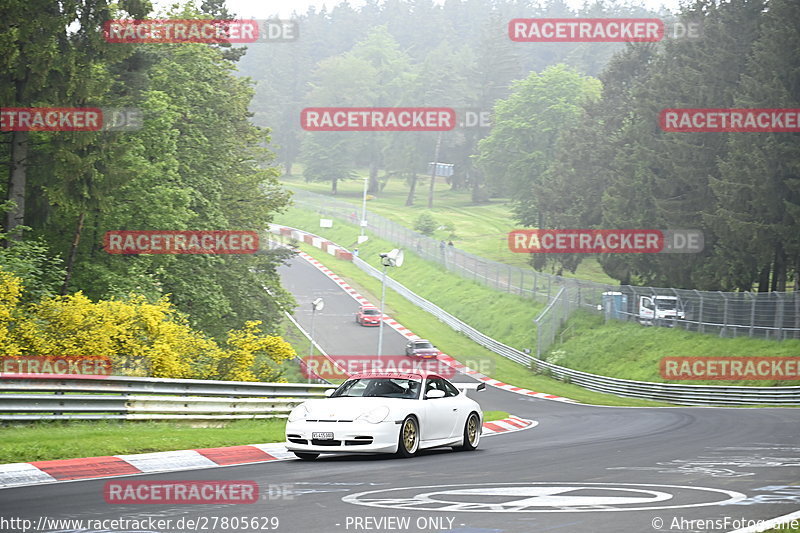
139	337
10	293
253	356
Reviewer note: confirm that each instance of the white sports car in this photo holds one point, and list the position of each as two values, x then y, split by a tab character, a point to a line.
386	413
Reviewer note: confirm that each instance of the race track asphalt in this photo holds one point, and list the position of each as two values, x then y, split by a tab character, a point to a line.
581	469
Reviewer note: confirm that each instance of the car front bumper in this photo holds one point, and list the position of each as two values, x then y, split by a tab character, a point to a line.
348	437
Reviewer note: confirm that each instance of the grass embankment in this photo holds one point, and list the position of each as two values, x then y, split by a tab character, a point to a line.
615	349
479	229
43	441
40	441
628	350
292	372
506	317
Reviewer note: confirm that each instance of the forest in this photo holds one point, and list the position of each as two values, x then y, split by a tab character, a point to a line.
574	139
195	163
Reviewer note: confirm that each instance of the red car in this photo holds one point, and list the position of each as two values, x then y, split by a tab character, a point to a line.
368	316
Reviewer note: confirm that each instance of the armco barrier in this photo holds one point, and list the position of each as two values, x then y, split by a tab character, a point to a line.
682	394
130	398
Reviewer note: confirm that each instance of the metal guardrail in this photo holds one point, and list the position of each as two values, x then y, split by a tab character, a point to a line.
133	398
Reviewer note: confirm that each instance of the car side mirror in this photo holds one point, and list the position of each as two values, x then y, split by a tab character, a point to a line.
434	394
481	386
328	392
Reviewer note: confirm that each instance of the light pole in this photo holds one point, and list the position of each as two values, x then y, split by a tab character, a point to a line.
395	259
316	305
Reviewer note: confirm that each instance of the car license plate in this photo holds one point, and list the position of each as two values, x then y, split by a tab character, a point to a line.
322	435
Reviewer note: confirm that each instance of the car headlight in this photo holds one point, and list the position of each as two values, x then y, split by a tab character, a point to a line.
298	413
375	416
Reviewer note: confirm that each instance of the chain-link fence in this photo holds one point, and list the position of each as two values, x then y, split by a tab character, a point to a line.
773	315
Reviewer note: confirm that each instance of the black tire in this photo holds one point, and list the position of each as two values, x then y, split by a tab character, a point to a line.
472	433
306	456
408	440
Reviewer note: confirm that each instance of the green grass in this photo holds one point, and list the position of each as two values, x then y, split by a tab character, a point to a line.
72	439
630	351
479	229
291	369
42	441
489	416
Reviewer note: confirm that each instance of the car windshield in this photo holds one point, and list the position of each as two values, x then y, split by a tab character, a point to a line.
379	387
666	304
370	311
423	346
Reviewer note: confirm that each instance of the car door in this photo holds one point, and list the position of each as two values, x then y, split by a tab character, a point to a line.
441	414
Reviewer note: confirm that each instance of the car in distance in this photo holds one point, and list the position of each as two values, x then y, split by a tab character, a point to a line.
421	348
388	412
368	315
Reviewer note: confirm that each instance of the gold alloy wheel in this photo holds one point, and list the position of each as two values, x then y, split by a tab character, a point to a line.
410	435
472	429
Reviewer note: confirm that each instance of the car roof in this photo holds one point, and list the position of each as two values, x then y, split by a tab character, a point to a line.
402	375
368	306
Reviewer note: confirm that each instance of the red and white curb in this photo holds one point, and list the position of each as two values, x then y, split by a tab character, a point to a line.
507	425
448	360
59	470
33	473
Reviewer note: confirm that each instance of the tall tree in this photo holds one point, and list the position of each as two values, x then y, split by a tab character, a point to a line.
758	189
526	127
